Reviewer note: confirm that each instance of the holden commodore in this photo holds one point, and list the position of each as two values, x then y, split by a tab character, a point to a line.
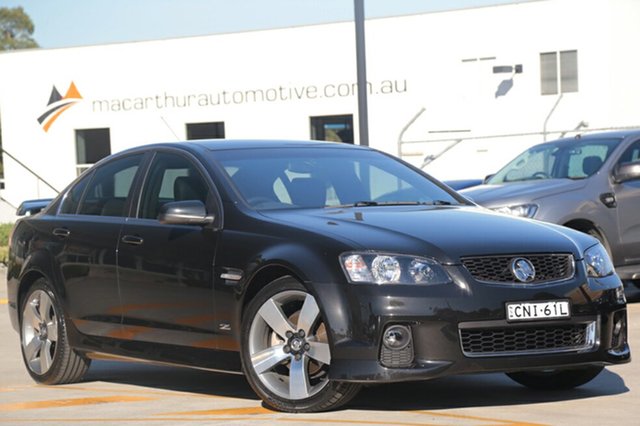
312	268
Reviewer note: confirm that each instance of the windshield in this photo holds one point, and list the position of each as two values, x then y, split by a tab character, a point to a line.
568	159
326	177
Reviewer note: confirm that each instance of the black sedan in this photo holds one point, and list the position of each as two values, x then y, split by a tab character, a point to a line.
310	267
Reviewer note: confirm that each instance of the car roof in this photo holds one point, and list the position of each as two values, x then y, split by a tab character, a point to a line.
242	144
618	134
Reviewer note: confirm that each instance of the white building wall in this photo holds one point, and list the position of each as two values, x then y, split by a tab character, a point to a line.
420	57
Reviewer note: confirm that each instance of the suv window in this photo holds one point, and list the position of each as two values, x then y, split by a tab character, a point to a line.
632	154
172	177
109	189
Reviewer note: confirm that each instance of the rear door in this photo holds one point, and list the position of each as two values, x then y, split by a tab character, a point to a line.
166	271
88	227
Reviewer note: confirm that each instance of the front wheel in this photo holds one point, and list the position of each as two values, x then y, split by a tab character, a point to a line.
286	355
43	336
556	379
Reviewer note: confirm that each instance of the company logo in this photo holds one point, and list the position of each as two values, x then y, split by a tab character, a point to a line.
59	104
523	270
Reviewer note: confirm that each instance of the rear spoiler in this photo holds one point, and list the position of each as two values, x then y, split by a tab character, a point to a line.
31	207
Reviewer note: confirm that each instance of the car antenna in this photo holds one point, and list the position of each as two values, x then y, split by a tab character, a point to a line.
170	129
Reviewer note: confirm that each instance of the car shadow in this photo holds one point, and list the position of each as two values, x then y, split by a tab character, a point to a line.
478	390
170	378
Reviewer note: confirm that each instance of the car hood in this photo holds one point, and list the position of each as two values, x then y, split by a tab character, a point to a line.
520	192
446	233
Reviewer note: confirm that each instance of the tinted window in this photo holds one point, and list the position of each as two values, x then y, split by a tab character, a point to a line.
109	189
326	177
72	199
171	178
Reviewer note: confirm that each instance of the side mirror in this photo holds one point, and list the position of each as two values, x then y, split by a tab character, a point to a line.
191	212
626	172
488	177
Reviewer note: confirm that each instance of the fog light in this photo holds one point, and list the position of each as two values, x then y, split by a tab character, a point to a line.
397	337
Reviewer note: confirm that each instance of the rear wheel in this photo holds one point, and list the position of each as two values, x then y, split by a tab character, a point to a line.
43	335
556	379
286	354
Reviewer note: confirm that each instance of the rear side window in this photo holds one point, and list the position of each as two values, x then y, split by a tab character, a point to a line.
72	199
110	187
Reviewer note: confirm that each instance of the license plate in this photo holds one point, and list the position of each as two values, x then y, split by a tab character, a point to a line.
525	311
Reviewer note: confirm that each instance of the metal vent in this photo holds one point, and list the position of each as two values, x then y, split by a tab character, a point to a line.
497	269
396	358
504	341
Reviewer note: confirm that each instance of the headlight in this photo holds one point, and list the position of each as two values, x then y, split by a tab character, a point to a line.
598	262
522	210
379	268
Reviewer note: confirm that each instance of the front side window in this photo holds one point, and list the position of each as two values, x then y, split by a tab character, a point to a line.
171	178
110	187
325	178
574	159
631	155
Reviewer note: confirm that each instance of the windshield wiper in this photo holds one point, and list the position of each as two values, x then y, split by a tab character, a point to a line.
371	203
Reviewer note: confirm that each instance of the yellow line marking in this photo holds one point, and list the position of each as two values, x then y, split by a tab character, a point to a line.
224	412
482	419
185	394
107	420
4	301
57	403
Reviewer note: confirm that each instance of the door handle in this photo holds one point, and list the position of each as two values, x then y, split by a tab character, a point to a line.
61	232
134	240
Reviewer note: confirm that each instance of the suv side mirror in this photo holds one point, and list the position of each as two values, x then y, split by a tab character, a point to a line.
191	212
488	177
626	172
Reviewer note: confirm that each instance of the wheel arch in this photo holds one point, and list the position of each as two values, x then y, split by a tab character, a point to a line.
585	225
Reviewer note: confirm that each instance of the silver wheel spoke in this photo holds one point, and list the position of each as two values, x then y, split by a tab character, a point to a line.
31	348
44	306
320	352
34	313
275	318
52	330
267	359
298	379
45	357
308	314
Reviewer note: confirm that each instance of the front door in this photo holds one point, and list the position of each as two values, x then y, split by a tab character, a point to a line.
628	199
166	271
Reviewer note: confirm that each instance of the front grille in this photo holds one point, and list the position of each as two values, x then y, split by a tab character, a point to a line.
478	342
497	269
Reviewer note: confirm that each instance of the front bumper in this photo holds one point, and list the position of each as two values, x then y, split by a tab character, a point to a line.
438	315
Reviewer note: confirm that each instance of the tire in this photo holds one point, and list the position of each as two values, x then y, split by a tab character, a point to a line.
556	380
43	338
288	368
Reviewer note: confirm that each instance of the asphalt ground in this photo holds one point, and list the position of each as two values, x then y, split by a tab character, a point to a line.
122	393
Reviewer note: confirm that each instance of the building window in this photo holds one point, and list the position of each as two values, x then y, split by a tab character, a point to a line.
213	130
92	145
551	68
335	128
